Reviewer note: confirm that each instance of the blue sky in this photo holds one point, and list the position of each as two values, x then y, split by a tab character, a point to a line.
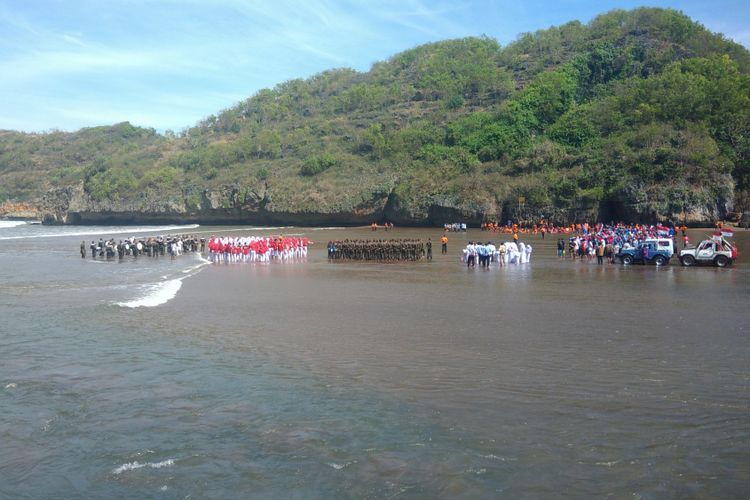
67	64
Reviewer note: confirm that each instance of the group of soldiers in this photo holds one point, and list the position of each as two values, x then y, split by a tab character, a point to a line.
152	246
379	250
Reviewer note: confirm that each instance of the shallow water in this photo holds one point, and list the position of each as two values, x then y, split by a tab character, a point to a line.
173	378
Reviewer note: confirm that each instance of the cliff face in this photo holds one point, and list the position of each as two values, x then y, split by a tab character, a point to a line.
232	205
226	206
13	210
637	116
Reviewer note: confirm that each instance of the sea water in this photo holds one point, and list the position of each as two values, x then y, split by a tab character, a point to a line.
169	378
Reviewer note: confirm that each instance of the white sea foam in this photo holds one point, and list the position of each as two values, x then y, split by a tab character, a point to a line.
118	230
607	464
12	385
201	263
155	294
11	223
137	465
340	466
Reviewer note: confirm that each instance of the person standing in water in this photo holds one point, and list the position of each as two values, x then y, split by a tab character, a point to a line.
444	244
429	249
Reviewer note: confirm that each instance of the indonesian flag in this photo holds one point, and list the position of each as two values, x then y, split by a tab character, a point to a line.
726	232
662	230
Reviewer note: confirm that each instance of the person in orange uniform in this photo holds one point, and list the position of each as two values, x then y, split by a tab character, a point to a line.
444	244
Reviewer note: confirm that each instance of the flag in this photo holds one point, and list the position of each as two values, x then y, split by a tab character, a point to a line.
727	233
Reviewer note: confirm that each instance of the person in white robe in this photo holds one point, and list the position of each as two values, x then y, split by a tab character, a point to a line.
511	253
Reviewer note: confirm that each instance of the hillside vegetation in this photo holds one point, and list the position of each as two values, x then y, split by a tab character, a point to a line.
638	115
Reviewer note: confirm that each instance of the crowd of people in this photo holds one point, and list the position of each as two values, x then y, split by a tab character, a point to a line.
151	246
597	241
484	254
231	249
379	250
603	242
455	227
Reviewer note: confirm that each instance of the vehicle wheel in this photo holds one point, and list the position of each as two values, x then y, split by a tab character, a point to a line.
659	260
627	259
721	261
688	260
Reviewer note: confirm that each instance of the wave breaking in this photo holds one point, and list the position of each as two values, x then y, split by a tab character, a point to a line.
6	224
155	294
137	465
122	230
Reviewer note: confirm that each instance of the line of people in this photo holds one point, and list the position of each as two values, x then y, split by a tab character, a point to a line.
455	227
483	254
588	247
231	249
151	246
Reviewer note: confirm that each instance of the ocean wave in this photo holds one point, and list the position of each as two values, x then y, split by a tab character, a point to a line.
138	465
155	294
11	223
203	262
119	230
337	466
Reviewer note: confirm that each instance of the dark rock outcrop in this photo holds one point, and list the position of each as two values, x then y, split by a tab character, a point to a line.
235	204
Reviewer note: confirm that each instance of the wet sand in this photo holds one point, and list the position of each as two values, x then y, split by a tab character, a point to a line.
422	379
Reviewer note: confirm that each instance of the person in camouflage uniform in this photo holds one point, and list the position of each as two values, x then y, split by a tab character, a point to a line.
377	250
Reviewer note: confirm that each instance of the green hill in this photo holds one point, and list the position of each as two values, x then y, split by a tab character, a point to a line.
638	115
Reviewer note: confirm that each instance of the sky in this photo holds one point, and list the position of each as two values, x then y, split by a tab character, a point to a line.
166	64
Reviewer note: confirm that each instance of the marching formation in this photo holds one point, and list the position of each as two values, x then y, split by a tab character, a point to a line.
483	254
379	250
228	249
607	243
152	246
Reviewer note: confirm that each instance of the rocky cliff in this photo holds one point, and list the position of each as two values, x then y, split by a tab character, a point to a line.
234	205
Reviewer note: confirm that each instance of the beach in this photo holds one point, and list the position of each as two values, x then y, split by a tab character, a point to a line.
159	377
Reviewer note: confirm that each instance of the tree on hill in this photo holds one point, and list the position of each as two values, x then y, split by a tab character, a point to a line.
639	112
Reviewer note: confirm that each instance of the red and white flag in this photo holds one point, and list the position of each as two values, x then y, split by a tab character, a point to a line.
726	232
